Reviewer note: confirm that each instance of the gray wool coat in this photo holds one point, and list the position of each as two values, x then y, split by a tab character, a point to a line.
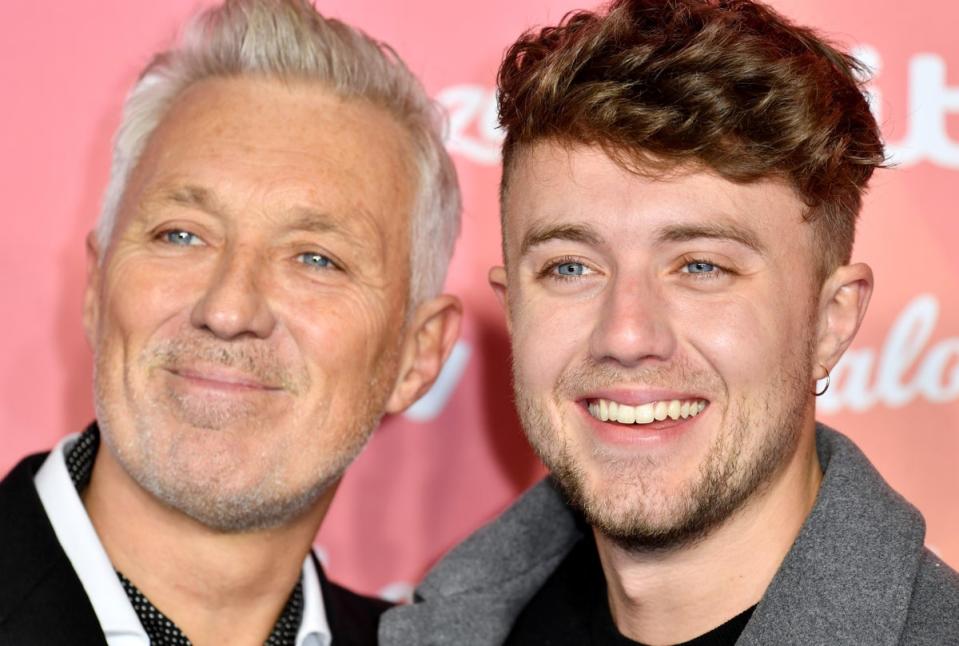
858	573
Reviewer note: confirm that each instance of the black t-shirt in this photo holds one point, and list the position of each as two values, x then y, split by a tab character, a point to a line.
572	608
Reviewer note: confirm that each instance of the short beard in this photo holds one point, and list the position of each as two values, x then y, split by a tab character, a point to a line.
727	478
162	463
266	504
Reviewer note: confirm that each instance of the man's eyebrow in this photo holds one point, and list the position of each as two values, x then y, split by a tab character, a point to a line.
301	218
193	196
311	220
715	231
304	219
540	234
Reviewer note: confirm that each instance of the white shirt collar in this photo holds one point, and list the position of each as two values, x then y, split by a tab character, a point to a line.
80	542
314	629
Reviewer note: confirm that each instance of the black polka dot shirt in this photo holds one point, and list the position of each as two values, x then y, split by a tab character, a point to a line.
159	628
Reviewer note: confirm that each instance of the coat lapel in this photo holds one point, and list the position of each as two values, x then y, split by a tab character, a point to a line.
849	576
476	592
41	598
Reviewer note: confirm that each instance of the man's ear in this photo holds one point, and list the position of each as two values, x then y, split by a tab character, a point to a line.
498	281
433	332
842	305
91	295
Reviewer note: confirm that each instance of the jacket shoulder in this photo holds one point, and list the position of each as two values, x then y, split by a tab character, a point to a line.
933	617
41	598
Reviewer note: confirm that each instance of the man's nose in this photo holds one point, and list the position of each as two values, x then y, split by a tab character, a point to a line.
634	324
233	303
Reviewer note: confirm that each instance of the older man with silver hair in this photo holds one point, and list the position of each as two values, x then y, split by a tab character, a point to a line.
264	285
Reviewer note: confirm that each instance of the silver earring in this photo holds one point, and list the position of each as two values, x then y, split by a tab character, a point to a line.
826	387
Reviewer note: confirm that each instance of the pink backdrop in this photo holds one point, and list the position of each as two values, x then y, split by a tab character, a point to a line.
455	460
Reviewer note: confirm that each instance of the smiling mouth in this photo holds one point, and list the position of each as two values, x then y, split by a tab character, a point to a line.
607	410
223	380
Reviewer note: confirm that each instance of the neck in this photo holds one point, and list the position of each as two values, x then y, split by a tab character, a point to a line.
672	596
216	587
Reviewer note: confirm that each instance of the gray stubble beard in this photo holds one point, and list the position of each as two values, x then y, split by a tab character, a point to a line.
267	504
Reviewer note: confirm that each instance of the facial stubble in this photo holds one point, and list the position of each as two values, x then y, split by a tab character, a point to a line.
625	504
161	457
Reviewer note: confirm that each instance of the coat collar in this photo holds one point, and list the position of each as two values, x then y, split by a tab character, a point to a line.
849	576
847	579
475	593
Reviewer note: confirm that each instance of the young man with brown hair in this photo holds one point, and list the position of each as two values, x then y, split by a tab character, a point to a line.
680	189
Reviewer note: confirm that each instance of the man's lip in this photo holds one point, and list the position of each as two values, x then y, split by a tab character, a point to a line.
222	378
645	434
638	397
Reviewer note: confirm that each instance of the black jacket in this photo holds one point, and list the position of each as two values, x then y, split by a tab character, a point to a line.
42	601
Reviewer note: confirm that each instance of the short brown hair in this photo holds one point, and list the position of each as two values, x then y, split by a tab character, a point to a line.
728	84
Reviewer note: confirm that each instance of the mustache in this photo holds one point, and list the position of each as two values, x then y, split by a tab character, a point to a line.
591	374
255	360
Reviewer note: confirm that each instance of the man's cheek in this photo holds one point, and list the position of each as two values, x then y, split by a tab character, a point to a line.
736	330
531	340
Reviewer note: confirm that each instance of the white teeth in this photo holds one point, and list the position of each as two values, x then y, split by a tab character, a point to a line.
644	414
662	408
607	410
674	407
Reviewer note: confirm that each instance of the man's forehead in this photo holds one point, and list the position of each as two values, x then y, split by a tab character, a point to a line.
315	169
544	162
579	192
265	123
553	151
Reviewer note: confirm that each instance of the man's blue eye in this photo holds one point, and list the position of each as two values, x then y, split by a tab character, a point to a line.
180	237
316	260
571	269
700	267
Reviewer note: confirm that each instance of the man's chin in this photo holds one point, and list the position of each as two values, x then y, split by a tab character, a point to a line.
233	509
219	414
227	491
637	514
650	532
